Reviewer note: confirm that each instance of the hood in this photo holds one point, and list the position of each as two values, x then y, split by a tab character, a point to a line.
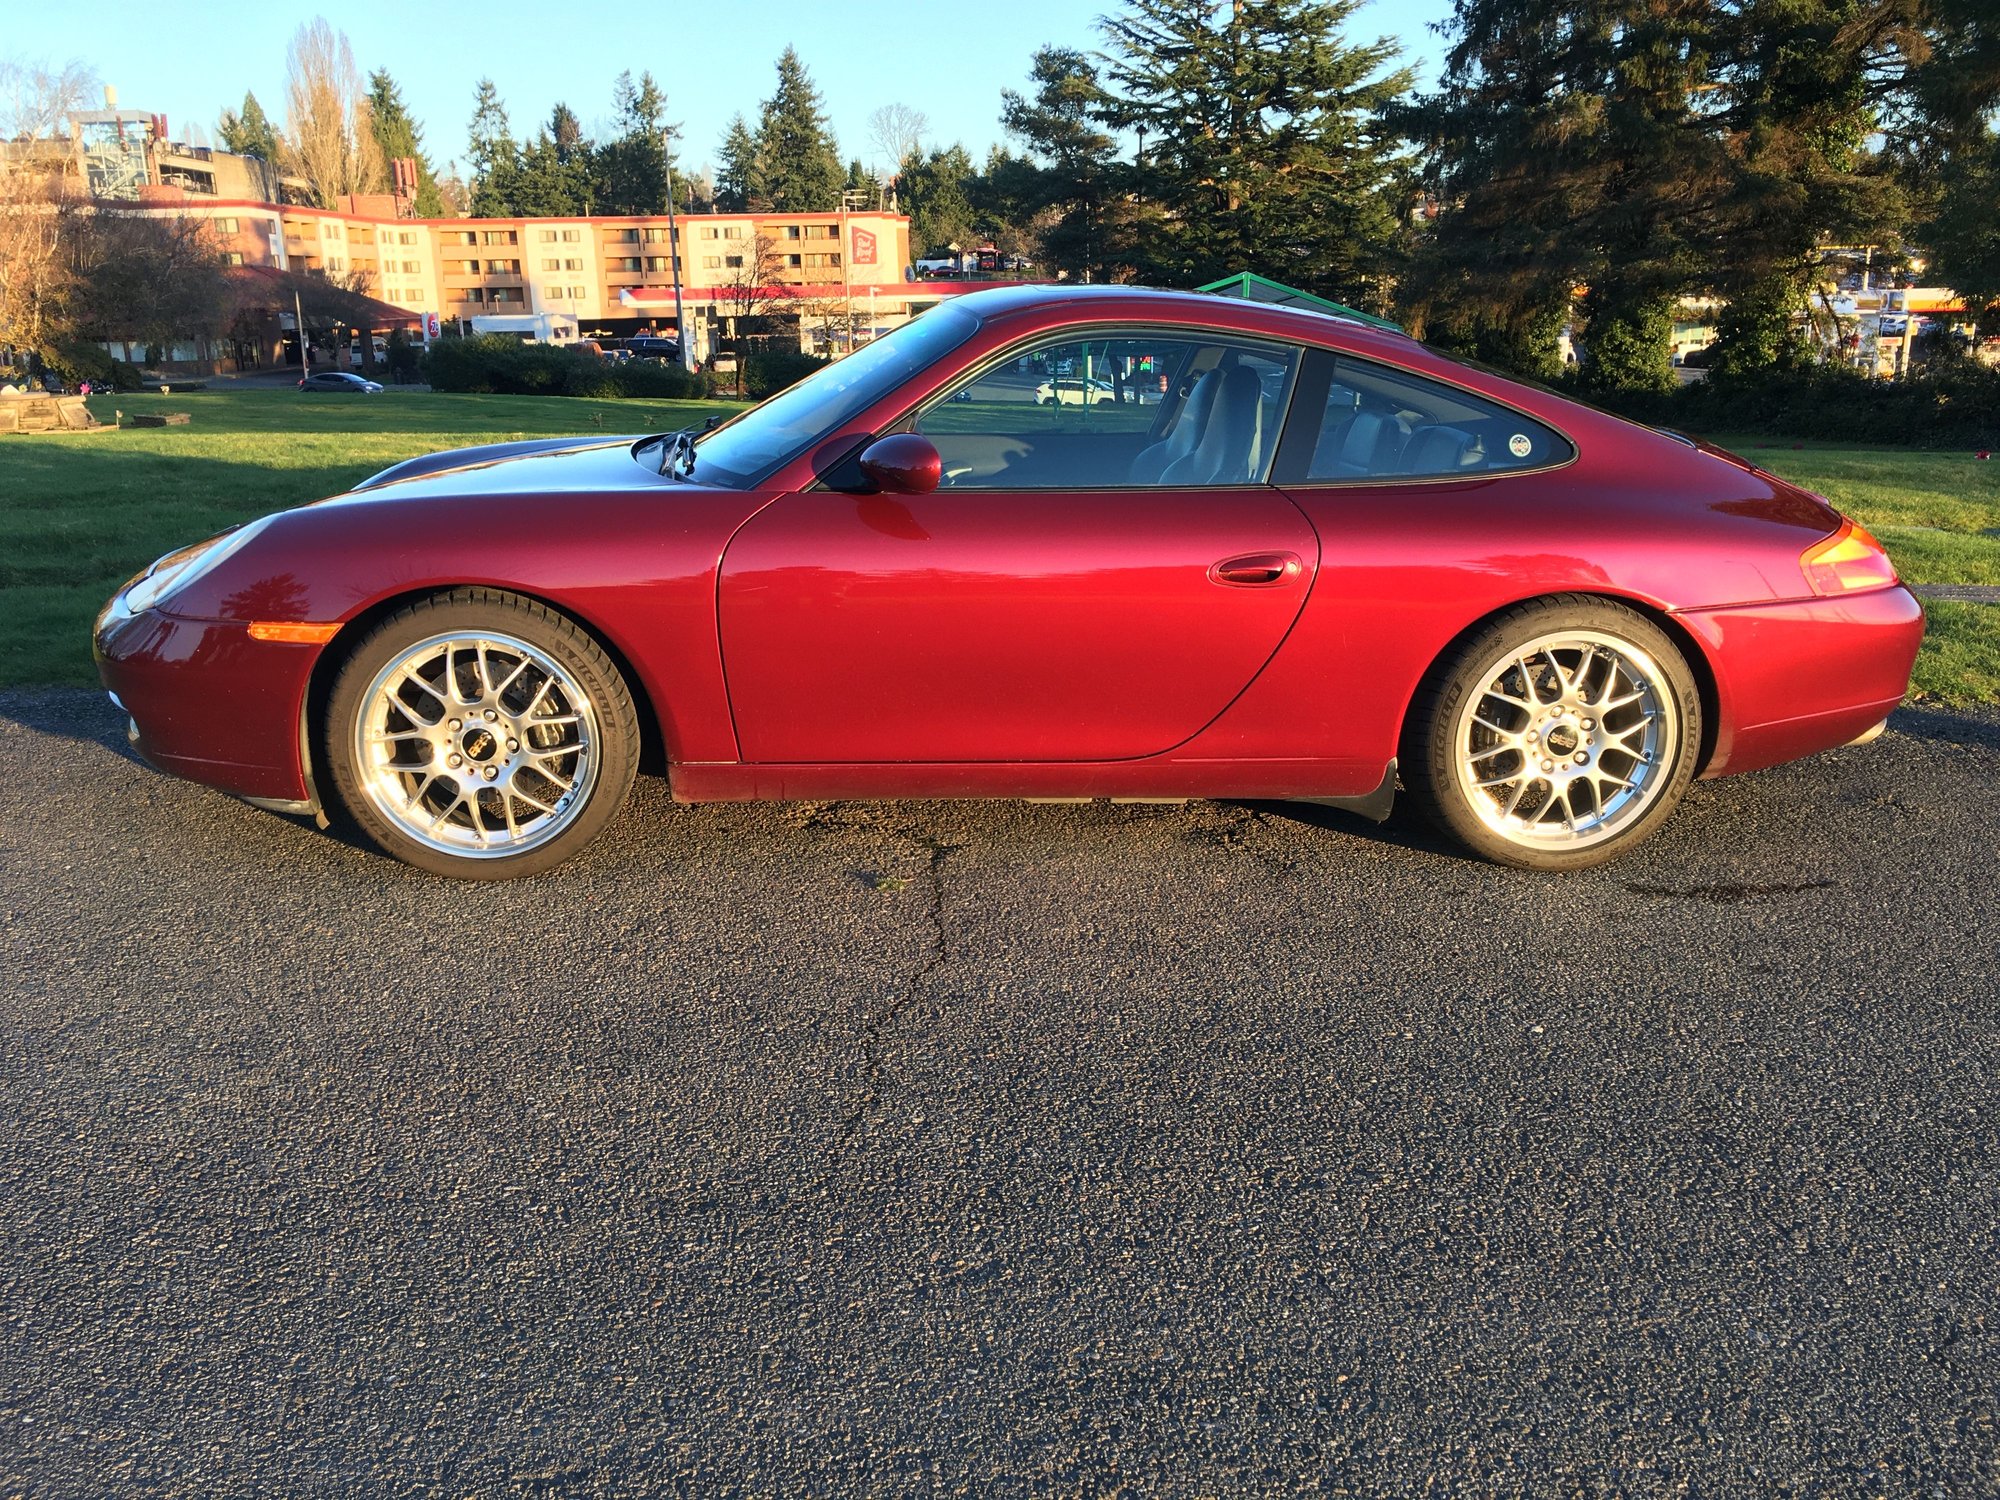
531	466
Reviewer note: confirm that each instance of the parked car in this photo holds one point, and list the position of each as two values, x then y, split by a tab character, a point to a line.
340	380
654	348
1068	391
1329	561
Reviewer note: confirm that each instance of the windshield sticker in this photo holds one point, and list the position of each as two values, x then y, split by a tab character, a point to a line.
1520	445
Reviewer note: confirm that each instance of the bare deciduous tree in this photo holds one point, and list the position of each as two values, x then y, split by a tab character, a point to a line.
41	222
895	131
330	142
36	99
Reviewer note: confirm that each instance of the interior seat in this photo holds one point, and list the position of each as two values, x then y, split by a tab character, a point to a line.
1440	450
1189	424
1369	443
1230	450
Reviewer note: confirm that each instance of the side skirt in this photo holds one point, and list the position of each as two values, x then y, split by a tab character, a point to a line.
1374	806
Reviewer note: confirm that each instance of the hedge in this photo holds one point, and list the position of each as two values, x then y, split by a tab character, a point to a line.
497	364
1948	404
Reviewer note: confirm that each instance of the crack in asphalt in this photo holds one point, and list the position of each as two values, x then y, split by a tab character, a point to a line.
1727	893
900	997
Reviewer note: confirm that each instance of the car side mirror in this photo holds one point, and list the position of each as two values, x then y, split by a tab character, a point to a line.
903	464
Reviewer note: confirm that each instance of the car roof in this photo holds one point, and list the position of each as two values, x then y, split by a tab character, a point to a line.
1137	303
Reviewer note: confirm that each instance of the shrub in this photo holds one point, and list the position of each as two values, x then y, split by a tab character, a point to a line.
768	373
496	364
1955	403
75	363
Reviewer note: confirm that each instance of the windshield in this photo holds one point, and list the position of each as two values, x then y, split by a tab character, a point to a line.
743	451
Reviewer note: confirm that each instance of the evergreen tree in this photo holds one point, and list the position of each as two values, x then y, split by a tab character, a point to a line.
860	180
1568	150
1266	144
1071	184
492	156
249	132
934	196
739	180
801	165
399	135
556	174
633	166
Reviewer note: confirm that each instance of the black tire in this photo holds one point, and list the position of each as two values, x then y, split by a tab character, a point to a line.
1567	808
525	756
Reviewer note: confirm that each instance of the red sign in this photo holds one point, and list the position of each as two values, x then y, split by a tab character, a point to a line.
864	247
430	325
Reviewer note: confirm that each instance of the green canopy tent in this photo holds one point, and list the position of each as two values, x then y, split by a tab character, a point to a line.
1254	288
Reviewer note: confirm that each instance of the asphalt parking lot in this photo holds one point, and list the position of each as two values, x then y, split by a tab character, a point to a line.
1004	1150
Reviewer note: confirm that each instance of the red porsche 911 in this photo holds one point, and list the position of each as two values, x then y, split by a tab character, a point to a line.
1276	555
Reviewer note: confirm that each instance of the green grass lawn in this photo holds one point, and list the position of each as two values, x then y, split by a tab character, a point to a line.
1938	513
81	512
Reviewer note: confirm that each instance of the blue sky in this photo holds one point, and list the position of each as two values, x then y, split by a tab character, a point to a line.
949	58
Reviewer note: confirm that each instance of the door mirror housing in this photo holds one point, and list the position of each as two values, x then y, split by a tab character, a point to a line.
903	464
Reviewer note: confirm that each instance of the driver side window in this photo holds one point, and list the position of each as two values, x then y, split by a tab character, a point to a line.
1176	410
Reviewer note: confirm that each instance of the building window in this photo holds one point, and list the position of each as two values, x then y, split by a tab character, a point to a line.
791	231
572	265
551	264
572	236
791	260
233	258
503	268
226	226
460	237
412	267
819	231
335	264
732	231
504	294
577	292
658	263
546	236
405	237
830	259
332	232
499	237
622	236
656	236
623	263
734	262
465	294
711	262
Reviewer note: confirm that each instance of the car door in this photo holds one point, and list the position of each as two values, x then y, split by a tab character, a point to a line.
1089	582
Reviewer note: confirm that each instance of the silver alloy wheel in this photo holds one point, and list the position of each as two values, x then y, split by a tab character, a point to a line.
1566	740
480	746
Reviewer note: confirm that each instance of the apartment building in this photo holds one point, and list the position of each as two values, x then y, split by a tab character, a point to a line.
611	274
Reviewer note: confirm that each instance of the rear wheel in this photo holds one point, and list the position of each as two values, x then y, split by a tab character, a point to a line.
481	735
1559	736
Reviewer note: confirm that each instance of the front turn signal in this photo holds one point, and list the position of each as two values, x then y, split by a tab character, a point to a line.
1846	562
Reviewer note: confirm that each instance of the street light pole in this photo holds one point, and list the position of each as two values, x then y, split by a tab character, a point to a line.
674	247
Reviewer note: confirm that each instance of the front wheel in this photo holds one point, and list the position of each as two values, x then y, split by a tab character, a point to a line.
480	735
1559	736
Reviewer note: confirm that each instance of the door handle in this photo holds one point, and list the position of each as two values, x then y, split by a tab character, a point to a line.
1255	570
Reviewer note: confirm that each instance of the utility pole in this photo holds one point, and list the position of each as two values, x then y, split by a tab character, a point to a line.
674	249
847	202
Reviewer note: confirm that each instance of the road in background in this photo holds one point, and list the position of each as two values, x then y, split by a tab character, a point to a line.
1000	1149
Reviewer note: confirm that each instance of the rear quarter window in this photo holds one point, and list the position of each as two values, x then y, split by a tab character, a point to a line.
1357	421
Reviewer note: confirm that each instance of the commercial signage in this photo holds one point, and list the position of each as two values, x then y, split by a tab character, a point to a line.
864	247
430	325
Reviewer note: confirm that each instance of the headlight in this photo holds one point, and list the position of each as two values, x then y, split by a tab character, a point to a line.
177	570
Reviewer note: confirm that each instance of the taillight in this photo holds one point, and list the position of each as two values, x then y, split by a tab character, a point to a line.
1847	561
